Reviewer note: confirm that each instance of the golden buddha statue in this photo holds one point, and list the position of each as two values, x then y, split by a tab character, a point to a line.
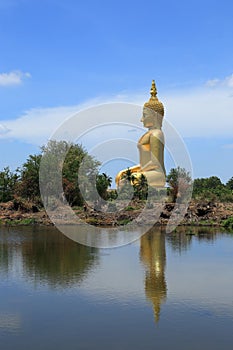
150	145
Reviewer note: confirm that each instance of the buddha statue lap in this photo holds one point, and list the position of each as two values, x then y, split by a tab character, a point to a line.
150	145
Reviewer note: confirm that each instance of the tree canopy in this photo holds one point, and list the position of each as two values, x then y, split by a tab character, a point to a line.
212	188
8	182
180	184
81	179
58	160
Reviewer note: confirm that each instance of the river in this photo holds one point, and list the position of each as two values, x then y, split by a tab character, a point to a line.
164	291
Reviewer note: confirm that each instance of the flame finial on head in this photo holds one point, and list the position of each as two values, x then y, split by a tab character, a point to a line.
153	90
153	102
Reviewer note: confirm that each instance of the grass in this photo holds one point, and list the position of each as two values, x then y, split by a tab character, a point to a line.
76	207
129	208
207	222
20	222
92	221
123	222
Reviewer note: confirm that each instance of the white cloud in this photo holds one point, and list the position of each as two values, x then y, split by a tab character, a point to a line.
229	81
3	129
226	82
212	82
13	78
203	112
36	125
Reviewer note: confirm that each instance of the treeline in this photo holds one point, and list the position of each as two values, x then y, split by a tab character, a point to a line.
57	155
81	180
213	189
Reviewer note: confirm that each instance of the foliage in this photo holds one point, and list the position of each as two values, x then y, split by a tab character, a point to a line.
140	187
212	189
20	222
123	221
8	181
229	184
103	182
129	208
69	168
112	194
51	170
180	184
62	163
136	187
79	173
71	164
203	184
128	176
28	185
228	223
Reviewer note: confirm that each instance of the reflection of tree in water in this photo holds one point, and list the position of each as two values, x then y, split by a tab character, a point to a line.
6	256
178	239
206	233
181	239
55	259
46	255
153	255
9	249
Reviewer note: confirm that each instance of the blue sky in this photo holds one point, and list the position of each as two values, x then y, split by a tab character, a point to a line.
56	56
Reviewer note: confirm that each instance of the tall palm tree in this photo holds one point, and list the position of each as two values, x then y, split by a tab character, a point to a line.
141	187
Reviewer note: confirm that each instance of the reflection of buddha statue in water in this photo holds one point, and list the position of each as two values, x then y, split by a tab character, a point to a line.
153	255
150	145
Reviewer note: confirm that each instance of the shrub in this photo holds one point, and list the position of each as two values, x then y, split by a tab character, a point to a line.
228	223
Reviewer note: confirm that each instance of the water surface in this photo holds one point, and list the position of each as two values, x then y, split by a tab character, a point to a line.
171	291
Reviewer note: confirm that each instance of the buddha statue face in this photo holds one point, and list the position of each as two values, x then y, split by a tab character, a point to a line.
151	119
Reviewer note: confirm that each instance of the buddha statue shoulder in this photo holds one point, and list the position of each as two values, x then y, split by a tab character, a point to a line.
150	145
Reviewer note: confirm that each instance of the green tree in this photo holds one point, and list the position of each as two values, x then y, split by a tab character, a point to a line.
51	167
28	185
71	164
212	188
229	184
79	171
140	186
214	182
199	185
132	185
103	182
180	183
8	182
126	191
128	176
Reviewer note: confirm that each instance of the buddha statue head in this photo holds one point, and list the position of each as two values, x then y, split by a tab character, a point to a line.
153	110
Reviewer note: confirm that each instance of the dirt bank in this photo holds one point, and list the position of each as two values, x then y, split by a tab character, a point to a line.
198	213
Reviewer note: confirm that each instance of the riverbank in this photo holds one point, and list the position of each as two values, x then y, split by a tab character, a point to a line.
15	213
